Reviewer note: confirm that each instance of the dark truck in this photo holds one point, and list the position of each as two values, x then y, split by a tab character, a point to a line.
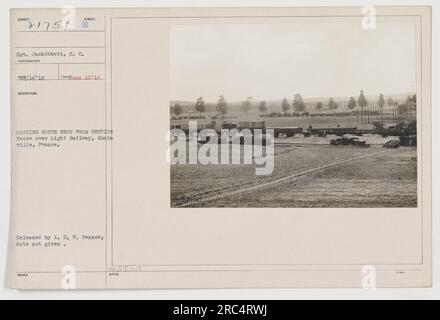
392	144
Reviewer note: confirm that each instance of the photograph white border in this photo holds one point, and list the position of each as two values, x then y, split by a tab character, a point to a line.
6	293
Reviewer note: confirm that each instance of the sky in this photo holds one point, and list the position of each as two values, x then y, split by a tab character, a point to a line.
273	61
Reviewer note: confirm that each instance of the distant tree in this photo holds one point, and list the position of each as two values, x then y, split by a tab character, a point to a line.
362	102
381	101
298	103
414	99
177	109
396	107
414	103
403	108
411	101
318	106
352	103
247	105
410	105
390	103
200	105
222	105
262	107
332	104
285	106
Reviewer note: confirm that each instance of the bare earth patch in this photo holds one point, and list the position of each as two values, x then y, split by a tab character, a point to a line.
384	179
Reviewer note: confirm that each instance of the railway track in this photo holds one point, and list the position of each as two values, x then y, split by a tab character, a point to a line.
277	181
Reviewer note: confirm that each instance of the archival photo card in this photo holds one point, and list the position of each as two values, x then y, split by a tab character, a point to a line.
221	147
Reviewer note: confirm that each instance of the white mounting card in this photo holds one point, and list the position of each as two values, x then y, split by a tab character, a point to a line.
221	147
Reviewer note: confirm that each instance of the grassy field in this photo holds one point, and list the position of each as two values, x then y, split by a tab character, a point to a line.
382	178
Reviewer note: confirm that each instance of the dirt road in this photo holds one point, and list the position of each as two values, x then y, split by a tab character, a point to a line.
306	177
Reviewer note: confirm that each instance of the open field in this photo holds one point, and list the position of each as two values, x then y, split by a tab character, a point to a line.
304	176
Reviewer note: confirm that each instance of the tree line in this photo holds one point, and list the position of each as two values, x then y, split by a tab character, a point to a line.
299	105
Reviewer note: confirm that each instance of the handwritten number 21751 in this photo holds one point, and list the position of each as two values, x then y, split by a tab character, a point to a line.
47	26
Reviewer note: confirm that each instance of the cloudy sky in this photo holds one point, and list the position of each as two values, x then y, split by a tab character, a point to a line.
272	61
